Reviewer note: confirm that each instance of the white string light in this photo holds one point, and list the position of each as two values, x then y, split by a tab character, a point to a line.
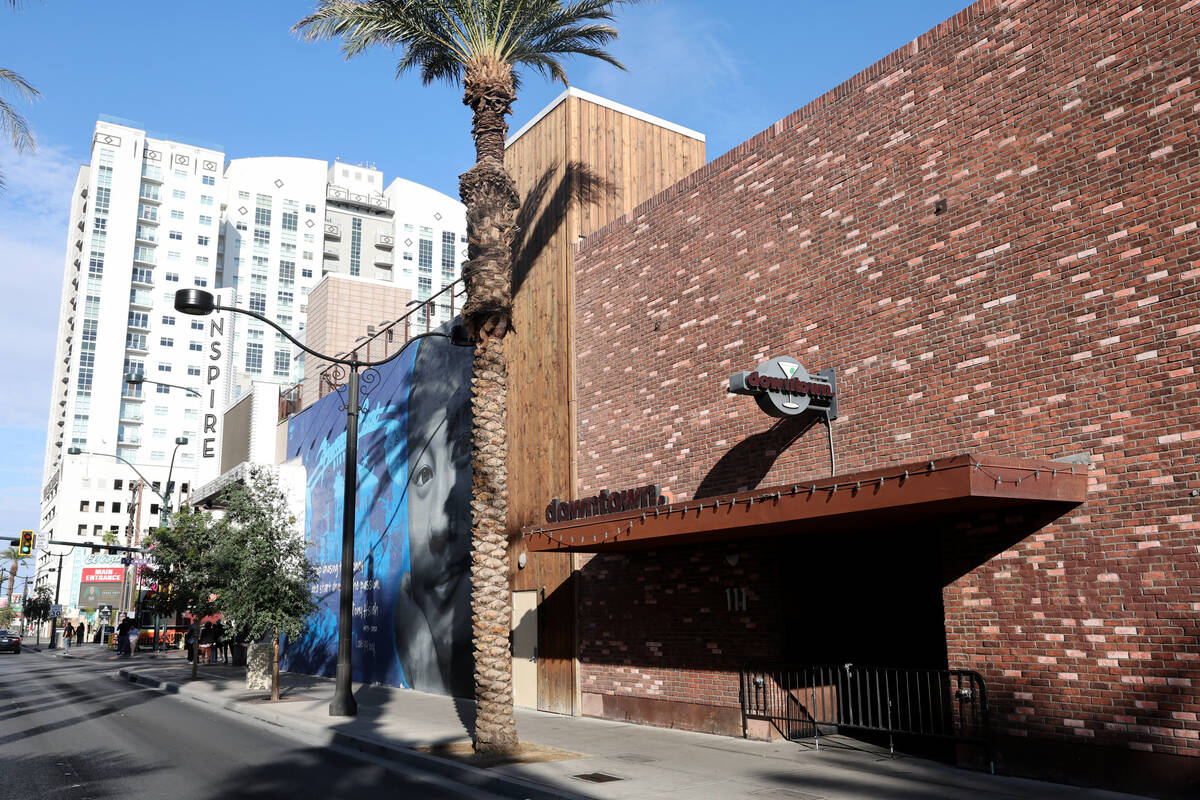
558	538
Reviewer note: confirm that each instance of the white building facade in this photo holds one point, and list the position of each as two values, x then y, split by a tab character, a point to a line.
144	222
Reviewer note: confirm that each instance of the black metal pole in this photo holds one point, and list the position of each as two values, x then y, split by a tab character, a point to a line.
54	620
343	703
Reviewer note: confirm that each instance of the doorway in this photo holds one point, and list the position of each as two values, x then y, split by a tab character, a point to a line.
524	649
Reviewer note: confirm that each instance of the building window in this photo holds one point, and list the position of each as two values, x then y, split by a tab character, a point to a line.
196	346
162	389
116	507
176	214
176	235
285	298
355	246
164	367
178	194
241	226
166	342
165	321
425	255
202	241
206	200
282	359
311	209
262	237
254	356
262	216
258	302
208	180
194	372
205	220
201	282
243	195
173	277
289	220
306	273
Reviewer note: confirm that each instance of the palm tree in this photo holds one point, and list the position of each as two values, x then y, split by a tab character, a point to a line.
12	124
14	558
480	45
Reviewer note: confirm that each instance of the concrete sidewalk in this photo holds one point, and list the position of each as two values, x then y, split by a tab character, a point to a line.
633	761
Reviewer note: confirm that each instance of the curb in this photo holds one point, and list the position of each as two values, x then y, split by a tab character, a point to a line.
464	774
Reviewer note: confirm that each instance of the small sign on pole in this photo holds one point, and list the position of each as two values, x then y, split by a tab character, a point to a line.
56	611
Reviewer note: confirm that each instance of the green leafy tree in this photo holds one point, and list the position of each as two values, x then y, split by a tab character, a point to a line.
7	615
480	45
12	125
37	608
185	571
266	575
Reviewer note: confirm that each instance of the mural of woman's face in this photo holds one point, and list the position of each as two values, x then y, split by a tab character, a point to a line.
439	513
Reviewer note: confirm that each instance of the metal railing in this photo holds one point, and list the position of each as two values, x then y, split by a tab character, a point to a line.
800	700
391	337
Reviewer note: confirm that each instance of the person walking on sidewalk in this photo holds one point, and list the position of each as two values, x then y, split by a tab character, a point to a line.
123	636
68	635
220	646
79	634
207	639
134	633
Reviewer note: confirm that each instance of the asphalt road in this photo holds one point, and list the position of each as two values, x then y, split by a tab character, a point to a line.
68	730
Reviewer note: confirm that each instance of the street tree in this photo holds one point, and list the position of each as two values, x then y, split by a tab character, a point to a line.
185	572
37	609
7	615
481	45
13	126
266	575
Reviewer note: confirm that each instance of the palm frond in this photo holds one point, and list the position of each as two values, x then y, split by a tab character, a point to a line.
12	124
439	38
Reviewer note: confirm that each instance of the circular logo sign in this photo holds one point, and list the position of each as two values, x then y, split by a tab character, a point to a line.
782	387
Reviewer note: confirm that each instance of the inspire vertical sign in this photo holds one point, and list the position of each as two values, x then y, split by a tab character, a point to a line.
216	331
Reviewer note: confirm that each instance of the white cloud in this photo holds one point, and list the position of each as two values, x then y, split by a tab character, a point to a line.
33	232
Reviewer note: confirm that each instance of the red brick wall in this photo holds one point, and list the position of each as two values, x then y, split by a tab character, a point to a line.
1052	309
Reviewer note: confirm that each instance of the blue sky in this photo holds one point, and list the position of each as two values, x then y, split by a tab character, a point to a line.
230	73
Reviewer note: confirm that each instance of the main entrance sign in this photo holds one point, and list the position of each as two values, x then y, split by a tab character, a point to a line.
605	502
782	387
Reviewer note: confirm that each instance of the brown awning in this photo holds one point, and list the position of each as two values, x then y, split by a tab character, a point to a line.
907	493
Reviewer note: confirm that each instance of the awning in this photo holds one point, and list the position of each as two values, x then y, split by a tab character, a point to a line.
907	493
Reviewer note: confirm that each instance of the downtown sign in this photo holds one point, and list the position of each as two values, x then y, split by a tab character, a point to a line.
782	387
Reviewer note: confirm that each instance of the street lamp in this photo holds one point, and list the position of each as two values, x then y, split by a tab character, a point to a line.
137	379
164	508
198	302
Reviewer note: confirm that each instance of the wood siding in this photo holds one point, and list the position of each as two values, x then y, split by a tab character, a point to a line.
580	167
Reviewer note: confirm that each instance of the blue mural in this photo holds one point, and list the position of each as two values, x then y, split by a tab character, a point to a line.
412	624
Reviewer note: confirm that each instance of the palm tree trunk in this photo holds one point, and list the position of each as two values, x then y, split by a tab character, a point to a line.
490	196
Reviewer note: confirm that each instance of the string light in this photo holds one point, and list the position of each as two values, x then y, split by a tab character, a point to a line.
1035	472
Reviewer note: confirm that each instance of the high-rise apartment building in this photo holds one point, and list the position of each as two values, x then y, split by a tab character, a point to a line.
150	216
144	222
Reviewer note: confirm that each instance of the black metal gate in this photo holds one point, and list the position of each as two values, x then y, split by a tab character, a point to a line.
799	700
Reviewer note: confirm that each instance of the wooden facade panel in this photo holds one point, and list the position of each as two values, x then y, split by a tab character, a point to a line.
633	160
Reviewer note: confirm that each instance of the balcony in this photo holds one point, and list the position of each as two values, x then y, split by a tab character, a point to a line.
129	440
152	220
143	324
333	231
383	260
385	241
331	254
147	236
343	196
79	224
131	414
151	174
149	193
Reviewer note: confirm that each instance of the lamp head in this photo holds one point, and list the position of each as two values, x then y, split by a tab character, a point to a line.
74	451
196	302
181	440
134	378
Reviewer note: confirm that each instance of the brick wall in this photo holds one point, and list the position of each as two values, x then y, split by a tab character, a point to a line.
1051	309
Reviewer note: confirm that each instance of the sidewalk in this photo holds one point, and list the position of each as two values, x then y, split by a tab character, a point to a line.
630	761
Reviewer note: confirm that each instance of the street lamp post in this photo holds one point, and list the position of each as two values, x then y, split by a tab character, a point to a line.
54	620
198	302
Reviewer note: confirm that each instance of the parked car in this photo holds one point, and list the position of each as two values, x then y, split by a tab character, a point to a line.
10	642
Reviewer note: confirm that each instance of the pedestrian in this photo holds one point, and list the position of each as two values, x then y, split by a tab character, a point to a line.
221	650
79	634
190	640
134	633
123	636
68	635
207	639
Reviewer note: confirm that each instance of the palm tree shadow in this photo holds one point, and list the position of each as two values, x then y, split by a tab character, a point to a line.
544	210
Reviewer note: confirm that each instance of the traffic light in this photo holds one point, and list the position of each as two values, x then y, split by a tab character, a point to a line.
26	543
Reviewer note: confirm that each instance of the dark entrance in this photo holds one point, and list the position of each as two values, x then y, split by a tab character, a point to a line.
872	597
